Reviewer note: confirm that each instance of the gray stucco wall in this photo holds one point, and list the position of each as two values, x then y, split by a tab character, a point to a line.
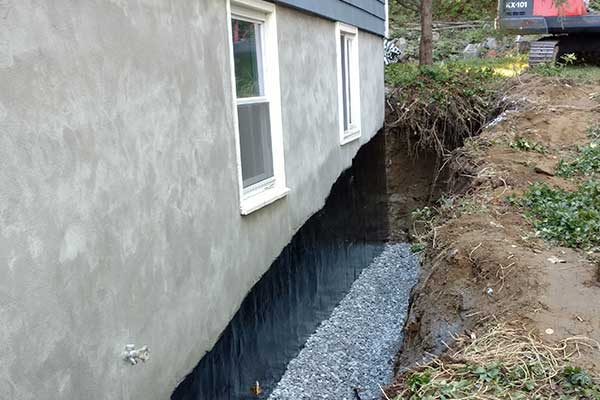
119	208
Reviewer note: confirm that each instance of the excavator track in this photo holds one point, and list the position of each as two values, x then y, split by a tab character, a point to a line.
543	51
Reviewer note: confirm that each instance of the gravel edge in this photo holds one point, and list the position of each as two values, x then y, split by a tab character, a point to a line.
356	346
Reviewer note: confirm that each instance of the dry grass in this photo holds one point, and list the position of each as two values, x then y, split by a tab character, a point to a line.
506	362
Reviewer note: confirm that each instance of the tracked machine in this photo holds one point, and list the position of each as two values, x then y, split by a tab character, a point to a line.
571	26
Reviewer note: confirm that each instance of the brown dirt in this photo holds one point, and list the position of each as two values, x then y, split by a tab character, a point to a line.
409	184
486	244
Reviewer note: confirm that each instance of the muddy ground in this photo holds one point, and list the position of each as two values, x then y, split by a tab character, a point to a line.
484	263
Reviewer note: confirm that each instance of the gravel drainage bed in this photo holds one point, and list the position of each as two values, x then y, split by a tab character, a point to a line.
356	346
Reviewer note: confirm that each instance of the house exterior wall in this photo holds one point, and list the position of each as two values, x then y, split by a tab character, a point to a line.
119	200
368	15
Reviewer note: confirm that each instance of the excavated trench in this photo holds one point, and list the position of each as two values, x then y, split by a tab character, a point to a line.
326	320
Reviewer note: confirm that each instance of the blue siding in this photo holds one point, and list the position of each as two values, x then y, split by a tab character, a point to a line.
368	15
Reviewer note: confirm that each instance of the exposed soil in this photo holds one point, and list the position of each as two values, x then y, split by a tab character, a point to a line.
485	264
409	184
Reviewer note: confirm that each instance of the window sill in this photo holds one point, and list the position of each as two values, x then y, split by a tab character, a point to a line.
263	199
350	136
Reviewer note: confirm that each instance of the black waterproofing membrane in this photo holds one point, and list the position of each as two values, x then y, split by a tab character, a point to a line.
301	288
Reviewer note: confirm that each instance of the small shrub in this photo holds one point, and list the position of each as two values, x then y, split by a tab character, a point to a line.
587	163
569	218
523	144
594	132
417	248
424	214
558	70
547	69
579	383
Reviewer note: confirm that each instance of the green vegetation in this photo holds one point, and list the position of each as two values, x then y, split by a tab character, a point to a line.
441	75
450	43
594	132
418	247
524	144
579	73
440	106
465	9
426	219
476	71
587	163
498	382
569	218
505	363
402	11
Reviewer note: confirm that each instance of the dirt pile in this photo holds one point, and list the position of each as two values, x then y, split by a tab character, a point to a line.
484	263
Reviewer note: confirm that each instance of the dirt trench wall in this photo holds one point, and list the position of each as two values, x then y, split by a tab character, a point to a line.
410	183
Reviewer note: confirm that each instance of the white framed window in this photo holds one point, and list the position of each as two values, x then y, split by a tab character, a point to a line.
257	108
348	82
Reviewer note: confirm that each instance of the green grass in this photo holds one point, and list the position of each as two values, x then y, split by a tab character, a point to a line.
569	218
579	73
523	144
505	363
587	163
496	380
472	71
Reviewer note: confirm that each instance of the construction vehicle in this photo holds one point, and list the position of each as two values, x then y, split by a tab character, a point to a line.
573	28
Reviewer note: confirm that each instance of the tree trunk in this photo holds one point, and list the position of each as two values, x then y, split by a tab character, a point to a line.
426	49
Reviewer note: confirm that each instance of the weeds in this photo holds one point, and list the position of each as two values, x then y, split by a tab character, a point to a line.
586	164
569	218
438	107
418	247
523	144
579	73
507	362
594	132
425	220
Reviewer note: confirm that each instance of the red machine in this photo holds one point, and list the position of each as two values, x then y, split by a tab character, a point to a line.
573	26
548	8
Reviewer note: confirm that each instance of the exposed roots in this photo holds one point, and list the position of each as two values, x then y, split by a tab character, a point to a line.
440	107
439	115
442	128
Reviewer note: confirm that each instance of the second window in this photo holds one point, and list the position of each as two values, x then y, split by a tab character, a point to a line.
348	82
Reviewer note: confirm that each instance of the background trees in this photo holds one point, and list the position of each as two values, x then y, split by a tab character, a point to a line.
447	10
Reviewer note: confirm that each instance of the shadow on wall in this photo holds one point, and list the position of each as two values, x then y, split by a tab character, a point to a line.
302	287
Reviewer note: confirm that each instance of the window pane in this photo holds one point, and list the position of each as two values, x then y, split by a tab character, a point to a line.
247	55
344	80
255	143
349	78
